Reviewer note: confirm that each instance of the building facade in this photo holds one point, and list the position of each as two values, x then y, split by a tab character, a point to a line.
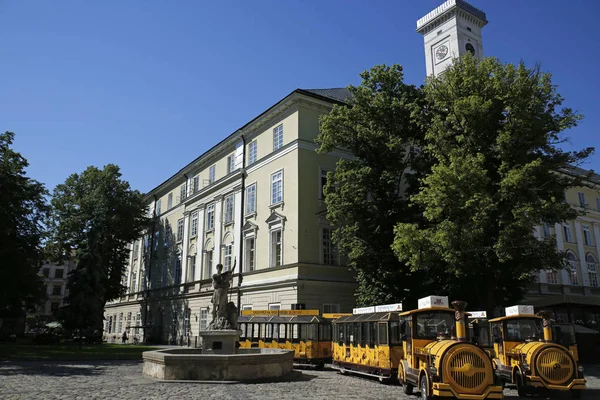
255	201
55	279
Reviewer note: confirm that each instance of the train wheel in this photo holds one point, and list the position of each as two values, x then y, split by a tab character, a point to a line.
424	394
407	388
521	389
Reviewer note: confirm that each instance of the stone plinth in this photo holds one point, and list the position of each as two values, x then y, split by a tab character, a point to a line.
190	364
220	341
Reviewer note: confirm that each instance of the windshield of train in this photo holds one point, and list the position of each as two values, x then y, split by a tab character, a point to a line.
523	329
430	325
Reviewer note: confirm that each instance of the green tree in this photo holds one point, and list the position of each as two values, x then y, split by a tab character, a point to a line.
493	132
364	195
94	217
22	209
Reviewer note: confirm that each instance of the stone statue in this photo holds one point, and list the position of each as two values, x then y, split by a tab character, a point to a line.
224	313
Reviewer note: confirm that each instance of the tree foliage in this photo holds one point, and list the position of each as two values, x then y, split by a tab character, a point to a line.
492	131
22	209
363	195
94	216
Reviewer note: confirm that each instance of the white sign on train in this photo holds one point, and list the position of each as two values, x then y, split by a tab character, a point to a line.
518	310
363	310
477	314
388	307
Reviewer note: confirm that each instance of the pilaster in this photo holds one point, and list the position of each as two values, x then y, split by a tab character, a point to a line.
583	276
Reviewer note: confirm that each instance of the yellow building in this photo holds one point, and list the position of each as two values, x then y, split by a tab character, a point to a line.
255	199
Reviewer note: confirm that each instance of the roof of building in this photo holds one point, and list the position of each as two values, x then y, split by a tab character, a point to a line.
447	7
582	173
341	95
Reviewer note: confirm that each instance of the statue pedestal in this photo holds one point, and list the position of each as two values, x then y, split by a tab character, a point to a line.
220	341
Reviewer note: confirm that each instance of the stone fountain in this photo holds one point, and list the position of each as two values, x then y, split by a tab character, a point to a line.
219	358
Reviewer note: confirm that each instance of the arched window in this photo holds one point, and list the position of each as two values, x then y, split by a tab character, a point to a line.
208	259
591	266
573	269
552	277
227	251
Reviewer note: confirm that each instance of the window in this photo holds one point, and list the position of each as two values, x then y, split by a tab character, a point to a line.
591	266
251	199
567	230
180	229
133	287
228	217
228	252
598	203
573	269
331	308
276	250
277	187
328	247
211	174
249	256
167	236
274	306
252	152
203	319
230	163
195	184
581	197
246	306
177	271
46	272
182	193
430	324
120	322
210	217
194	228
278	137
58	273
56	290
551	277
545	230
169	201
322	184
191	269
208	264
158	204
587	237
136	249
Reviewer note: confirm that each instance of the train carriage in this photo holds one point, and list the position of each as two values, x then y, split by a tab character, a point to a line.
308	335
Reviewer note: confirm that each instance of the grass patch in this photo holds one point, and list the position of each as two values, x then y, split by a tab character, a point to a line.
71	352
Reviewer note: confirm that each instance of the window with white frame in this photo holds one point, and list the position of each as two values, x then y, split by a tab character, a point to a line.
228	215
276	248
211	174
120	323
328	247
180	229
158	205
246	306
208	261
194	227
249	260
587	237
274	306
567	232
169	201
195	184
591	266
230	163
277	187
227	257
133	287
322	183
331	308
182	193
210	217
252	152
251	199
573	278
581	197
191	269
545	230
203	319
177	271
552	277
278	137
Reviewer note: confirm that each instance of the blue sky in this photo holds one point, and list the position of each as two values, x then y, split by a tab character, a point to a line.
151	85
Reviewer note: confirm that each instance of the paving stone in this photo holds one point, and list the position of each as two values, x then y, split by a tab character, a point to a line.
124	380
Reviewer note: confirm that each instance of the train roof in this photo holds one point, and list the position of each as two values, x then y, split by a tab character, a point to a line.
515	317
368	317
428	309
282	319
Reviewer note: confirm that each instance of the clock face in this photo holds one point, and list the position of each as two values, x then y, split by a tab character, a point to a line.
441	52
470	48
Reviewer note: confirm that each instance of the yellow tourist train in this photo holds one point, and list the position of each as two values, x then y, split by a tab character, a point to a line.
426	348
303	331
525	354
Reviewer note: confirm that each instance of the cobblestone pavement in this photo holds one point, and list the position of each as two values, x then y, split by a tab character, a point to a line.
124	380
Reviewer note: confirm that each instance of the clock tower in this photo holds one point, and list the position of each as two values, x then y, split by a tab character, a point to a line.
451	30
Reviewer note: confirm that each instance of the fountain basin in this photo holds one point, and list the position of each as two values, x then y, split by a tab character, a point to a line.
192	364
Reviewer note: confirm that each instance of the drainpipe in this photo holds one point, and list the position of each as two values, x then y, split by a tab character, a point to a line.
241	244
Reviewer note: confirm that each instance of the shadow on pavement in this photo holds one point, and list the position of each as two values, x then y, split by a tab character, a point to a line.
58	368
